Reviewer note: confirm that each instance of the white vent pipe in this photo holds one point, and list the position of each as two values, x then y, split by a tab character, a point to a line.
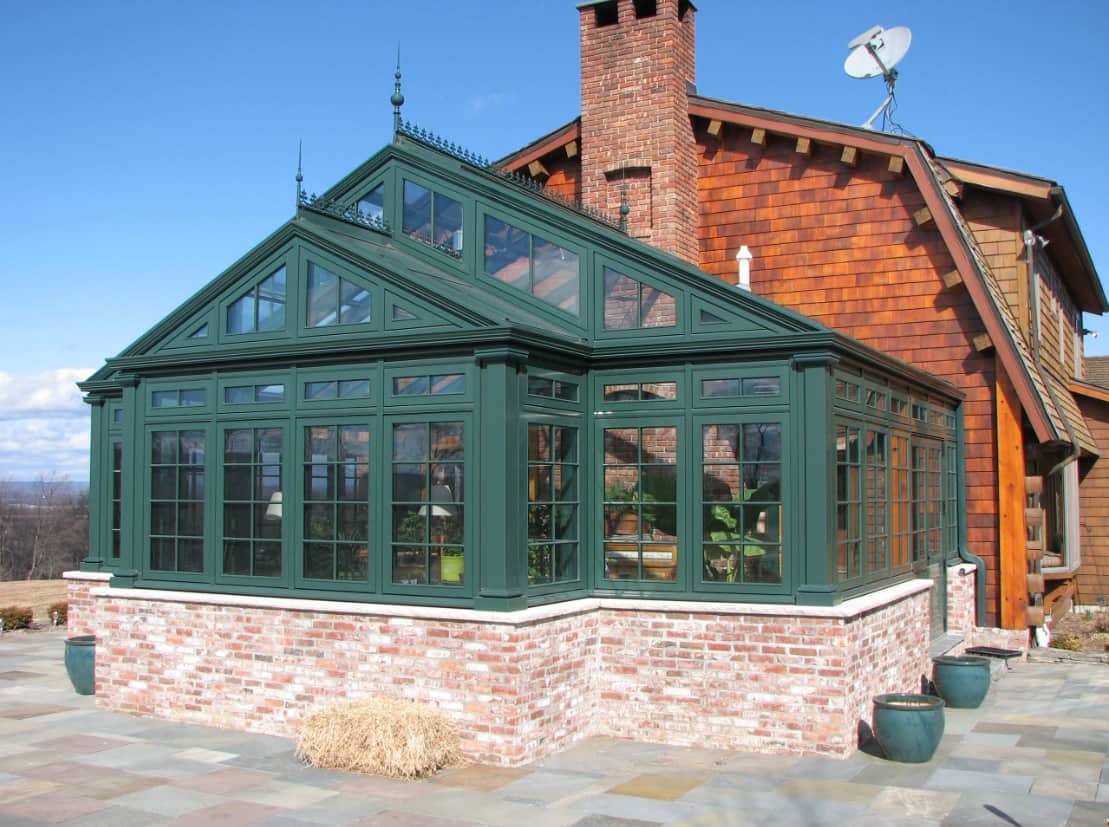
743	259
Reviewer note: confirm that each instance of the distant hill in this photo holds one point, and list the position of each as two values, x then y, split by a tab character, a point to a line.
24	491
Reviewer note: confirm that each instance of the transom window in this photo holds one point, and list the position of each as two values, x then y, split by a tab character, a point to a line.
177	501
252	502
428	503
336	502
552	388
532	264
552	504
433	218
736	388
741	489
261	308
333	300
243	394
640	391
179	398
336	389
847	390
640	503
371	206
630	304
442	384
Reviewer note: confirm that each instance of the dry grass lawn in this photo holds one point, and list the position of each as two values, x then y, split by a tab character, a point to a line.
38	594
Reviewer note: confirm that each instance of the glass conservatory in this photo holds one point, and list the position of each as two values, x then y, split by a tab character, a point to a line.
437	386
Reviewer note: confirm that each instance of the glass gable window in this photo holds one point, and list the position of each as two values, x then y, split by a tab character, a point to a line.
340	389
532	264
429	505
640	391
261	309
252	502
640	503
176	535
552	504
371	206
179	398
433	218
444	384
630	304
336	502
333	300
741	489
243	394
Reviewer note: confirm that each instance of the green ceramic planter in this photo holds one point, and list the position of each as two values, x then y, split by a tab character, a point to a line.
908	727
80	663
961	680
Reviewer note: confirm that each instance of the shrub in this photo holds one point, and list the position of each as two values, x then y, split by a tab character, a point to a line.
15	617
62	608
1068	642
383	736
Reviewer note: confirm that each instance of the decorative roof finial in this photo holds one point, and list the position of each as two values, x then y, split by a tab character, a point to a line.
624	208
397	99
300	175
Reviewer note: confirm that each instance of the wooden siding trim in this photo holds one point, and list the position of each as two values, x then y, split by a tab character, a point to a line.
1010	504
996	179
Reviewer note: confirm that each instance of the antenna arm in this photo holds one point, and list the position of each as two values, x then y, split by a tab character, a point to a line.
870	121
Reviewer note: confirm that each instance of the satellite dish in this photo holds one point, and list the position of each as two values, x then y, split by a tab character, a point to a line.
875	53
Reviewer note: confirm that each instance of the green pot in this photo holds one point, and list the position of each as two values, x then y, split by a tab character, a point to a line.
961	680
451	568
908	727
80	663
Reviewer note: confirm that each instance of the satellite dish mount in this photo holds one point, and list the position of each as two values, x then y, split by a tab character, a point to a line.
876	52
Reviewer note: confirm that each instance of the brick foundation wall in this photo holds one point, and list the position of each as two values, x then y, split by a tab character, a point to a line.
80	614
519	685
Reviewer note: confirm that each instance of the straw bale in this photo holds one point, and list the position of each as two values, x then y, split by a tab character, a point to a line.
380	736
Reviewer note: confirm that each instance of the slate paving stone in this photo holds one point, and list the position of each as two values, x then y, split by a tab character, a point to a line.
22	788
480	777
19	711
18	762
18	675
284	794
923	804
973	764
391	818
828	768
1086	814
341	809
815	789
1000	810
225	781
81	743
968	780
663	787
610	821
167	800
54	807
117	817
228	814
546	786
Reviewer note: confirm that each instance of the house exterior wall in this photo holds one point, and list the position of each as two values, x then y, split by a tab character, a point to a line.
841	246
997	224
518	686
1093	575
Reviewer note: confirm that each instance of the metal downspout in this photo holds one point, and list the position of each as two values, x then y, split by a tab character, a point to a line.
965	553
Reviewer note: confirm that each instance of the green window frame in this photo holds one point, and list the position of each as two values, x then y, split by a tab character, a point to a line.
176	506
433	218
251	393
261	308
640	479
849	502
252	507
736	387
332	300
951	500
335	390
553	504
630	304
164	398
532	264
876	460
741	501
901	502
115	518
336	497
549	387
427	499
640	391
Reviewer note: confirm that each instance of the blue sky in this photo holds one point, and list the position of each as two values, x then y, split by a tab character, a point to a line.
145	146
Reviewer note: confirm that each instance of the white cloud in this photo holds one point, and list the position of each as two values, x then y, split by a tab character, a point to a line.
44	425
484	103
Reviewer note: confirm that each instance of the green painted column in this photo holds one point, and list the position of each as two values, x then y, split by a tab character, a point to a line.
501	535
815	464
99	459
130	534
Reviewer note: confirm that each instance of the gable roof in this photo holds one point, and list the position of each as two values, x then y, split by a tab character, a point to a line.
1049	423
475	311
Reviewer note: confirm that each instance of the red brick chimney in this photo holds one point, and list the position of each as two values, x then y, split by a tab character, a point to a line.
637	57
